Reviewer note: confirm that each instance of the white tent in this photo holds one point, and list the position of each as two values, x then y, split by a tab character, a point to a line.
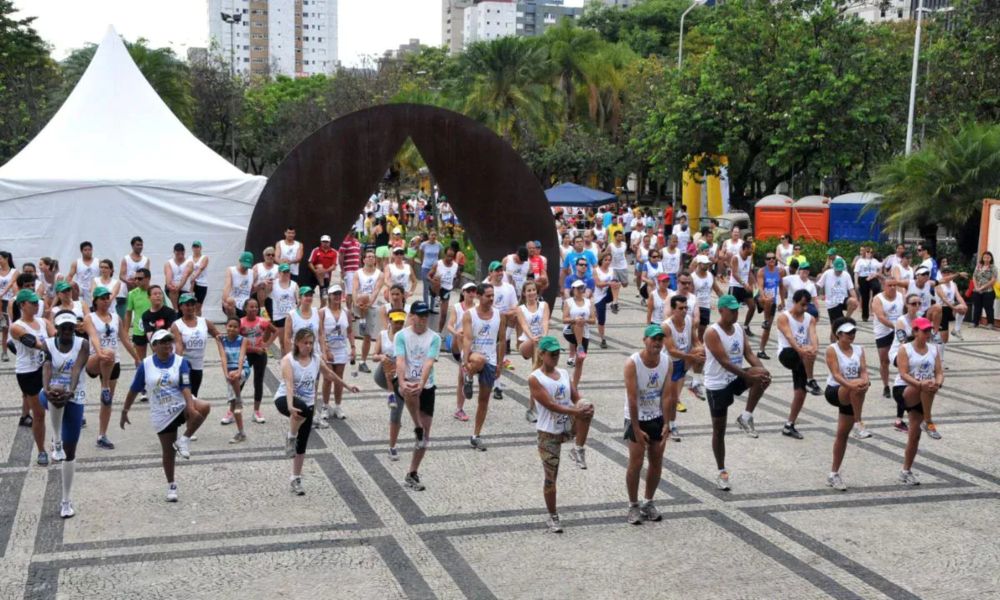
115	162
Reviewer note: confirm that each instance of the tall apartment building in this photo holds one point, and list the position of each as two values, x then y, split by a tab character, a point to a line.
535	16
874	11
466	21
489	20
287	37
453	24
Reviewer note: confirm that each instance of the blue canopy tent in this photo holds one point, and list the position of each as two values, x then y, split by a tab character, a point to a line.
571	194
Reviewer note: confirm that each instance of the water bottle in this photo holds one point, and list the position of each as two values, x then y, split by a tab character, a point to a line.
354	368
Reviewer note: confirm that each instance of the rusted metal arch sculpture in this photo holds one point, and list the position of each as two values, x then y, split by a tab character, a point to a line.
325	181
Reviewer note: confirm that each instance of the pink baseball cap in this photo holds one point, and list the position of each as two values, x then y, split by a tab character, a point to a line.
922	323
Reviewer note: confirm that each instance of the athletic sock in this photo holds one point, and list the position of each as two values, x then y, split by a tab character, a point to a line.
579	447
833	473
789	423
958	323
671	424
56	417
747	415
68	470
183	439
697	378
633	504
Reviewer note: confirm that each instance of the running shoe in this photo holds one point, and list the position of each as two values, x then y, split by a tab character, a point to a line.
238	438
58	454
412	481
930	429
530	416
363	367
43	459
467	387
104	443
144	398
791	431
106	397
25	421
324	413
579	456
681	407
908	478
571	362
84	422
763	355
901	426
634	516
614	308
722	481
460	415
957	334
747	425
318	424
861	432
497	393
393	453
183	447
648	512
553	524
418	432
508	365
813	388
936	337
172	492
66	510
836	482
747	331
5	358
228	419
604	344
675	434
698	390
886	393
477	443
338	413
296	486
258	418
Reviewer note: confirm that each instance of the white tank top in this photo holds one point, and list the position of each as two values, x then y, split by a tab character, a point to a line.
903	330
283	299
366	282
649	387
202	278
400	276
603	277
893	309
388	346
800	331
6	280
166	400
921	366
288	252
29	360
304	380
518	273
85	275
794	283
133	266
926	294
703	289
559	391
849	366
62	367
716	377
682	337
241	284
195	339
743	265
447	274
485	333
659	306
671	262
653	270
577	311
905	274
300	322
106	283
265	274
534	319
950	291
618	258
107	332
177	270
335	331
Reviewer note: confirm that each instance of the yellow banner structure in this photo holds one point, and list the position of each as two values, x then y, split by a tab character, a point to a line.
710	196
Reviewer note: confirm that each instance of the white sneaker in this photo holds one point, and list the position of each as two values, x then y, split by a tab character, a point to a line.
324	414
172	492
957	333
860	432
66	510
58	454
338	413
183	447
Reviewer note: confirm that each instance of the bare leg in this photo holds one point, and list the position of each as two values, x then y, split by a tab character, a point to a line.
655	468
910	397
167	449
719	441
632	471
418	454
844	424
37	422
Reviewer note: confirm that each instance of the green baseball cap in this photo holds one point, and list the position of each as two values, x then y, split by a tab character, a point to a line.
101	291
729	301
839	264
63	286
831	252
284	268
495	265
246	259
653	330
305	290
196	243
26	296
804	265
703	246
549	344
185	298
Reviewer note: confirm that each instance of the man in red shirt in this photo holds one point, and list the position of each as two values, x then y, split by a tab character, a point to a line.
350	262
668	217
539	265
323	263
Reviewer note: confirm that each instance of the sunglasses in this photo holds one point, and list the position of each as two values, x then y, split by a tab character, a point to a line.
769	257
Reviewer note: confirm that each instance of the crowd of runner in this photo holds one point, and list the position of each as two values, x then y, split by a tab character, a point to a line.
376	292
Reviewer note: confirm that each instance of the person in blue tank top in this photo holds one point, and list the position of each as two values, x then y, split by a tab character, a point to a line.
772	294
236	368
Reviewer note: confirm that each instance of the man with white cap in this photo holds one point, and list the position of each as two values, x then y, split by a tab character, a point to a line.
323	264
239	284
704	284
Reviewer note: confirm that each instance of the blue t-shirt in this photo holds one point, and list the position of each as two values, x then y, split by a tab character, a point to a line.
607	220
432	251
573	255
139	381
589	281
232	349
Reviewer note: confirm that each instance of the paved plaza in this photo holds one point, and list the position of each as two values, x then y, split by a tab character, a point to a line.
478	530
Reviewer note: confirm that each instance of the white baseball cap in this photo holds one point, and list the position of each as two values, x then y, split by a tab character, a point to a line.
578	283
162	334
335	289
324	238
846	328
702	259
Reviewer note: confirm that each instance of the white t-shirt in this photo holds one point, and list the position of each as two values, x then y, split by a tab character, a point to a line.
559	390
837	287
416	349
289	252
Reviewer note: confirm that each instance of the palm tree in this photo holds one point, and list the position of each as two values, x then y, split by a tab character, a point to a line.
607	84
507	89
944	183
570	50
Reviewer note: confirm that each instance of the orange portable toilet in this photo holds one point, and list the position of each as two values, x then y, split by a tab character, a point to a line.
772	216
811	219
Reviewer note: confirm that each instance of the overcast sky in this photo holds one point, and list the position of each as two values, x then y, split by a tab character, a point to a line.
367	27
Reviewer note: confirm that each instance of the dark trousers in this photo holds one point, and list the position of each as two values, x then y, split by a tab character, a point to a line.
983	301
867	288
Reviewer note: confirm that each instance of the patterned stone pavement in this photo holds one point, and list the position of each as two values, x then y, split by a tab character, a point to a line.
477	531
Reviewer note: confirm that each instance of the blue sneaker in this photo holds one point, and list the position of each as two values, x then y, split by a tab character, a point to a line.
105	443
43	459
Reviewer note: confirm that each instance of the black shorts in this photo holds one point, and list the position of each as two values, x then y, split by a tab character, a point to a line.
836	311
653	428
741	294
830	393
279	324
885	341
200	291
791	360
571	338
719	401
444	294
30	383
427	401
897	395
115	372
947	316
704	316
179	420
140	341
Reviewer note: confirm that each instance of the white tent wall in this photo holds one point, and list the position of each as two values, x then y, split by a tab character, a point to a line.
55	224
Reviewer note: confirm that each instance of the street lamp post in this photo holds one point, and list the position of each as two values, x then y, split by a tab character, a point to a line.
232	19
680	41
913	80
